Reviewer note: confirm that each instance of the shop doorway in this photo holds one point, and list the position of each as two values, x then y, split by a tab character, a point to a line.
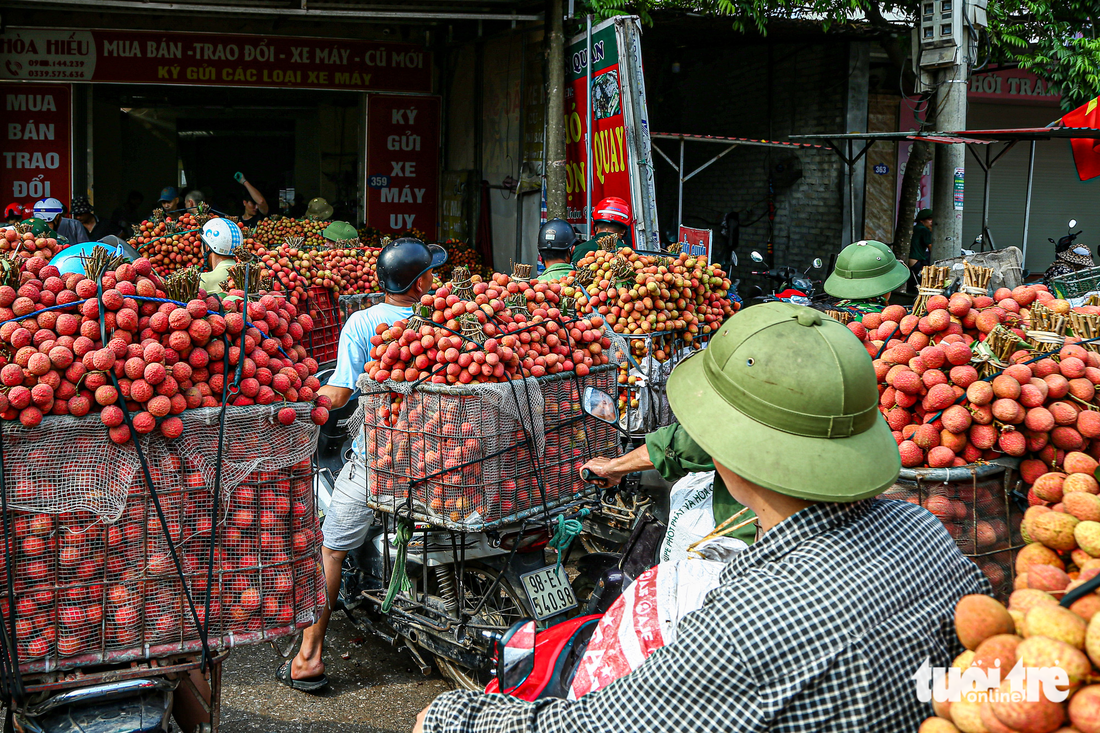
212	151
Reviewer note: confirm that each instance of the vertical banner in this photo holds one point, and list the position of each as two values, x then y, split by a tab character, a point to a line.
622	161
403	164
610	175
636	115
37	152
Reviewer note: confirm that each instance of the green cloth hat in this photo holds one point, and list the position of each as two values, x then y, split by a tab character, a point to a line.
338	231
787	399
923	214
864	270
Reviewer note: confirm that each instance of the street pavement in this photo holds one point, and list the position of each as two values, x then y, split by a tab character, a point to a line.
375	690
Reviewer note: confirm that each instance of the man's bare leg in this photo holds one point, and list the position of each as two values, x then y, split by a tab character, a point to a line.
307	663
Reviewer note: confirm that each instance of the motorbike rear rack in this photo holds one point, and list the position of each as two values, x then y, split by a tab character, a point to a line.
75	678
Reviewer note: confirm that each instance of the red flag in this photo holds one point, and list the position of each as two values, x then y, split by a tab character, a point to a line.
1086	152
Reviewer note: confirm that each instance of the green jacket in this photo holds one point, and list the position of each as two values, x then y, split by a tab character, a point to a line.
555	272
920	245
674	454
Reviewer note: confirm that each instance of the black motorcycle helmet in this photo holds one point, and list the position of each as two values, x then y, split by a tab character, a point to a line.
403	261
557	236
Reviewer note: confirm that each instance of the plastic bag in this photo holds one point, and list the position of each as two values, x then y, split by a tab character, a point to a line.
690	514
642	620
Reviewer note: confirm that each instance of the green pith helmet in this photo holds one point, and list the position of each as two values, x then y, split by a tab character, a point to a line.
338	231
787	399
38	227
865	270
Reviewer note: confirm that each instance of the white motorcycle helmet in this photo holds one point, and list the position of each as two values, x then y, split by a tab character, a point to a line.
48	209
222	236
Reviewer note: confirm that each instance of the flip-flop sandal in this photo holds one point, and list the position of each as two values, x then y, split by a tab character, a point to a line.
309	684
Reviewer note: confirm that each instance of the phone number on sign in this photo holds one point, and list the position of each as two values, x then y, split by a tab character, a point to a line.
55	74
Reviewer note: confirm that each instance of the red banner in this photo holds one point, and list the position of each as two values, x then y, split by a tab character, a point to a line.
696	241
207	59
37	153
403	164
610	165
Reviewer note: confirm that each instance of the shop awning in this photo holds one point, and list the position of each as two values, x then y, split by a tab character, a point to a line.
321	10
843	144
729	142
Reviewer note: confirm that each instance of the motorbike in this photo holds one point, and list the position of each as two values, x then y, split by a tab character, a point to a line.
468	588
130	698
790	285
1067	241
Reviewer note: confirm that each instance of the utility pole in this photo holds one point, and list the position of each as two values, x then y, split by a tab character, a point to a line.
944	41
948	172
555	114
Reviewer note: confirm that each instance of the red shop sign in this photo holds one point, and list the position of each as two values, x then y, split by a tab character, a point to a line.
37	153
210	59
403	164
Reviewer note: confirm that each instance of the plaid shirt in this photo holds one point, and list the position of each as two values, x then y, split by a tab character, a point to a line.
819	626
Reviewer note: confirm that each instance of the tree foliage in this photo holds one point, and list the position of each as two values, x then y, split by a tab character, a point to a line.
1055	39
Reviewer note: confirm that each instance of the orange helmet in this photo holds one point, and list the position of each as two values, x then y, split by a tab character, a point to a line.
613	210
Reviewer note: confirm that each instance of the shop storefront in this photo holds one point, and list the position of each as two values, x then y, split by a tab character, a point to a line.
1013	98
151	110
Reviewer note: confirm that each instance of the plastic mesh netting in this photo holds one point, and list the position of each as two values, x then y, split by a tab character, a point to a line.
976	505
93	575
643	402
482	455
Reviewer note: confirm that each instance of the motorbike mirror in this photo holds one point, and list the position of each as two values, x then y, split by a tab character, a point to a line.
1072	223
516	656
756	256
817	263
600	405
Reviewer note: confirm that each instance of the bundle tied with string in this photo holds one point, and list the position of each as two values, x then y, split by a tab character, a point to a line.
93	576
1047	330
992	355
246	275
976	279
1087	327
609	242
461	284
100	260
521	271
471	457
932	280
183	285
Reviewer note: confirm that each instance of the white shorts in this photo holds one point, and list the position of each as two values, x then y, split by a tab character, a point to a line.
348	516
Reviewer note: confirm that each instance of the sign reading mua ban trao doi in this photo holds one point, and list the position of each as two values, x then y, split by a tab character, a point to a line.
209	59
37	152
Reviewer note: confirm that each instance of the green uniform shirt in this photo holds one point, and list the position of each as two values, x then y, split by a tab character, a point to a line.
556	271
582	249
674	454
212	281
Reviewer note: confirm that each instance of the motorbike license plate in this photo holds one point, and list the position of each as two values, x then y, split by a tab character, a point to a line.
549	591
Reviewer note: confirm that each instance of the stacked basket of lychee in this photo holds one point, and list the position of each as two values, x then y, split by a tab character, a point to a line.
979	377
1062	529
66	350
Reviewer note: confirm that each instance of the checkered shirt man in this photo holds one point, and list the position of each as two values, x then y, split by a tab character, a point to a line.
820	626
